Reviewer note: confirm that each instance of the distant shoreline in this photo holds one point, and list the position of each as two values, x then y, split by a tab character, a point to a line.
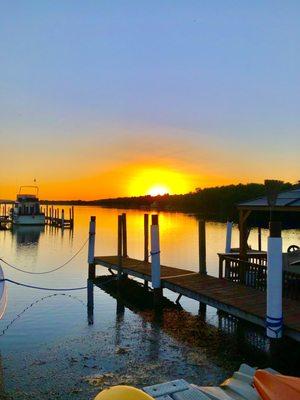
216	203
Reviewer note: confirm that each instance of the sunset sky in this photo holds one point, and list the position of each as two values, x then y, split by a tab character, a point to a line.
115	98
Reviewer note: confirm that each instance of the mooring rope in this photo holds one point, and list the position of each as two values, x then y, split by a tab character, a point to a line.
41	287
33	304
49	271
44	298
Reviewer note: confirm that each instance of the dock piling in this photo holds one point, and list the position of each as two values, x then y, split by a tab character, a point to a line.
202	247
91	249
120	242
259	238
274	320
155	260
124	234
228	237
146	237
62	218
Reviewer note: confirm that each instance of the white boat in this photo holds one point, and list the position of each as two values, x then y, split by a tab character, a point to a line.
3	293
27	209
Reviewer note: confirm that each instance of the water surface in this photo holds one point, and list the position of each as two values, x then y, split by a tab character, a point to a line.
51	351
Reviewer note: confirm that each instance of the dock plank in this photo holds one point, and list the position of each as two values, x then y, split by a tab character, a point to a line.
244	302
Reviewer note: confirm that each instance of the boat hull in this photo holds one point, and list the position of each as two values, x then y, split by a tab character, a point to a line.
38	219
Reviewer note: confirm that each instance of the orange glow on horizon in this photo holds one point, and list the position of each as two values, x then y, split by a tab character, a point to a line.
158	190
158	181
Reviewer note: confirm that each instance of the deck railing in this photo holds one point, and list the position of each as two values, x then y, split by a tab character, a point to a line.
253	273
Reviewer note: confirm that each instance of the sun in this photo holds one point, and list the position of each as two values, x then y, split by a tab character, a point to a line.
158	190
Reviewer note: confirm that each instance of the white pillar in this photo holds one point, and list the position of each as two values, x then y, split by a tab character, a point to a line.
228	237
155	253
274	283
91	251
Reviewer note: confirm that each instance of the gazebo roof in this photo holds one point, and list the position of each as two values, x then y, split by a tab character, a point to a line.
286	201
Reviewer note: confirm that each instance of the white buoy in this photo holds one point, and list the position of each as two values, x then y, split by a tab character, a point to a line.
155	253
228	237
274	320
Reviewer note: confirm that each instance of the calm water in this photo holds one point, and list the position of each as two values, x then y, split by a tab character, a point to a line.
52	338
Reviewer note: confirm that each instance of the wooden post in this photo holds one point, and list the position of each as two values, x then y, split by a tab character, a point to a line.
220	267
243	215
120	220
72	216
47	211
91	250
62	218
155	260
259	238
124	233
146	237
202	311
202	247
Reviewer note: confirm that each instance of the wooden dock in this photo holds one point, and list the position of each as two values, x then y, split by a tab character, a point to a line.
241	301
57	218
235	294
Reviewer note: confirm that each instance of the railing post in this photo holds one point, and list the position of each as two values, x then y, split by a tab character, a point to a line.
202	247
221	266
155	259
91	249
124	232
146	237
228	237
274	282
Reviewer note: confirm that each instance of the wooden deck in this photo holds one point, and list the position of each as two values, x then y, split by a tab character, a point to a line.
241	301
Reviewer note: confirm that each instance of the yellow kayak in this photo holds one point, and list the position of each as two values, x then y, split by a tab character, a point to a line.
246	384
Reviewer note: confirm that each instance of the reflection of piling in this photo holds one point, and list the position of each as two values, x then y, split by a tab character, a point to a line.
1	380
90	301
